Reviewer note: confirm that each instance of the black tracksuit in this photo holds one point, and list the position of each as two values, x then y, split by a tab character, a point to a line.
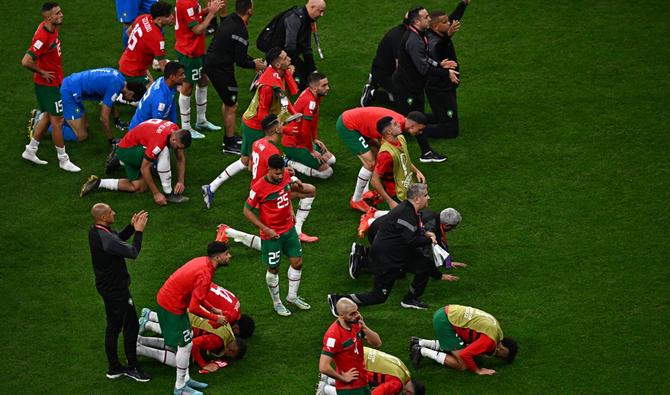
384	63
397	238
108	253
294	36
227	49
441	92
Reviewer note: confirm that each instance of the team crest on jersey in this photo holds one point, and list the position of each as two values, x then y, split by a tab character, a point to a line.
38	44
161	106
312	105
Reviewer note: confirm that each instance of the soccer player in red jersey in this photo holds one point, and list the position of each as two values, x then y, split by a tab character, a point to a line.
358	129
148	142
343	345
306	153
272	90
261	151
269	209
146	43
463	333
189	31
186	289
43	58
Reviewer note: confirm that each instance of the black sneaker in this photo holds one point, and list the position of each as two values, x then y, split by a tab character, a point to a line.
116	373
366	96
415	356
112	162
431	156
413	341
121	125
332	301
232	149
413	302
354	262
137	374
89	186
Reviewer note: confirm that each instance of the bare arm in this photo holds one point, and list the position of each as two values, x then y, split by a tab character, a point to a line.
371	337
212	9
257	222
104	121
29	63
181	171
376	182
325	367
145	169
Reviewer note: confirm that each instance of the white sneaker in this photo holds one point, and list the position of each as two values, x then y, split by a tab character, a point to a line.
206	125
299	303
196	135
30	155
282	311
65	164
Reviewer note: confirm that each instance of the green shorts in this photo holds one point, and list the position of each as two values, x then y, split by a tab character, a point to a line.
143	79
192	67
445	333
132	160
249	136
288	244
176	329
355	391
356	143
49	99
302	155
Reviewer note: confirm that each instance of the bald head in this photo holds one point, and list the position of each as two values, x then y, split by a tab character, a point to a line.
316	8
345	306
102	214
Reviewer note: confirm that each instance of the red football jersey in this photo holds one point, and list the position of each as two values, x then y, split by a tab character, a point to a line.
188	14
308	106
346	349
187	286
364	120
273	202
45	49
153	135
145	43
261	151
225	300
384	167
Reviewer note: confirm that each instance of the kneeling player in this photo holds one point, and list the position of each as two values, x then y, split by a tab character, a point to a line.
387	375
138	149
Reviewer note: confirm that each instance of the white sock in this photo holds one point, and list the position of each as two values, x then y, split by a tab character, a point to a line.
153	316
154	327
152	342
109	183
163	356
201	103
229	172
293	282
62	155
300	168
304	206
183	358
331	161
249	240
330	381
272	280
361	183
33	144
330	390
185	110
436	356
432	344
163	168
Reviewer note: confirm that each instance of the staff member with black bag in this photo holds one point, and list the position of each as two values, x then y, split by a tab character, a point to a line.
108	252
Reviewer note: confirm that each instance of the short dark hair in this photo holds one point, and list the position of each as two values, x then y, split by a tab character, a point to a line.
216	247
242	6
172	68
413	13
272	54
315	76
436	14
241	347
276	162
161	8
246	326
269	121
49	5
383	123
184	137
138	89
418	117
419	387
512	346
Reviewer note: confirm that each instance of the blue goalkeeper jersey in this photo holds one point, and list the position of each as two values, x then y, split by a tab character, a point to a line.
104	84
157	103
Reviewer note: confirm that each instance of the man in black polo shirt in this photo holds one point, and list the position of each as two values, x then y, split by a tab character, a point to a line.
441	92
414	66
108	252
228	48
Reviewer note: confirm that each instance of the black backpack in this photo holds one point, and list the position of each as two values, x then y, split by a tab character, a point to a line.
266	39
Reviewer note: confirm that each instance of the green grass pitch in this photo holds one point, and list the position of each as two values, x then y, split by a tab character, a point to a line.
561	174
